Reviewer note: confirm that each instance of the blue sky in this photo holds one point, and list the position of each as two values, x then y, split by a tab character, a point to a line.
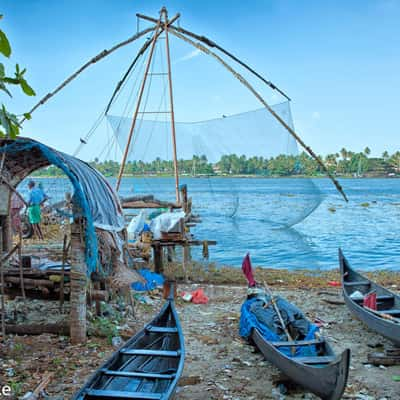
338	60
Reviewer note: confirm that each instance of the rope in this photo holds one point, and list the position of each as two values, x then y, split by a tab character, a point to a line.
210	43
93	60
266	105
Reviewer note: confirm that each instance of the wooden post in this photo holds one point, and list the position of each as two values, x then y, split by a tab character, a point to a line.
64	260
185	261
158	259
3	306
21	271
7	234
184	198
78	284
96	286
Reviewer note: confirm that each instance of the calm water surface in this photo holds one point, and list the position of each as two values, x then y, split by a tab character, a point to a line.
253	215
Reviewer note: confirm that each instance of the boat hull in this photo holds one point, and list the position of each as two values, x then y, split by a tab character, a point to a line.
385	327
327	381
148	366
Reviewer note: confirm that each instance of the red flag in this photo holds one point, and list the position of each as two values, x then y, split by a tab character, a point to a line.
370	301
246	268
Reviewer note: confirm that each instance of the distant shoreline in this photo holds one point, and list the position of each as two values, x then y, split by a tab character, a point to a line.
235	176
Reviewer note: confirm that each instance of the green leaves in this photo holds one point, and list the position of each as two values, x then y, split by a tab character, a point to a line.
26	88
5	47
9	122
20	79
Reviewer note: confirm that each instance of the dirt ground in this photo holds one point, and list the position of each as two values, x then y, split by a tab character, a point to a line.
218	364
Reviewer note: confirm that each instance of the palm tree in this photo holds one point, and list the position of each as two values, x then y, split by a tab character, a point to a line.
395	161
385	156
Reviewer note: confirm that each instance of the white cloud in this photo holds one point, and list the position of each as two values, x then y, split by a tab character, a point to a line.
189	56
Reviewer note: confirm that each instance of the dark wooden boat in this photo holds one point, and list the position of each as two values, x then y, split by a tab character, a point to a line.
146	367
313	364
386	320
324	375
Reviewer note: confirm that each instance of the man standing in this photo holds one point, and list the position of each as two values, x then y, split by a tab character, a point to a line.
36	198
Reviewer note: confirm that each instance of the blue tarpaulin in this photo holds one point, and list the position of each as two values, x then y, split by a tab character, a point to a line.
99	203
248	322
152	281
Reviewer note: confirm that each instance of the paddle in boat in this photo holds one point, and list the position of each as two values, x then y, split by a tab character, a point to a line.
291	342
146	367
381	315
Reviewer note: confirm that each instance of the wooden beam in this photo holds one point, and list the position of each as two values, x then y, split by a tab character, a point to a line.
60	328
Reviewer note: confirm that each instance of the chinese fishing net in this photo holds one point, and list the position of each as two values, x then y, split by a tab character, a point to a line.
242	169
226	153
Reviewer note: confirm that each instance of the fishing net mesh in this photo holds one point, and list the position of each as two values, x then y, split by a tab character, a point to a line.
216	150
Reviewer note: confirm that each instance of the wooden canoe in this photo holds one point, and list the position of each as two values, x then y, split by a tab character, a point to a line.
146	367
386	319
324	375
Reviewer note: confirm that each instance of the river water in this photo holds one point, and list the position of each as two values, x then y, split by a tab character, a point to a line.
253	214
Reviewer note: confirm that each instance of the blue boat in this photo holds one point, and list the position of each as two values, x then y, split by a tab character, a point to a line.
146	367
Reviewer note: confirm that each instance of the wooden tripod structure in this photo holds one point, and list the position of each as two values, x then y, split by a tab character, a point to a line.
162	25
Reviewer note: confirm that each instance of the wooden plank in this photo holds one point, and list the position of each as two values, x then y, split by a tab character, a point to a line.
161	329
315	360
378	298
383	359
152	353
115	394
61	328
126	374
297	343
358	283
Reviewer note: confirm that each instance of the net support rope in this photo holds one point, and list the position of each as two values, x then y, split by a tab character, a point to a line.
266	105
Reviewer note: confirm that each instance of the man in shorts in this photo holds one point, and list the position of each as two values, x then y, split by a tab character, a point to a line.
36	198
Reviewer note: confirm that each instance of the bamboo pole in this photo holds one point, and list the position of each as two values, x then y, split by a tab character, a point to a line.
266	105
93	60
139	100
171	101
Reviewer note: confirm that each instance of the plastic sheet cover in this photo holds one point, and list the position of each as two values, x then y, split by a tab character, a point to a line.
100	205
248	322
